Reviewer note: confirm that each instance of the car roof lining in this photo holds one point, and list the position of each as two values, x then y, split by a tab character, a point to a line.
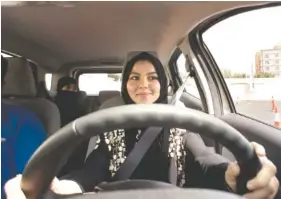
93	33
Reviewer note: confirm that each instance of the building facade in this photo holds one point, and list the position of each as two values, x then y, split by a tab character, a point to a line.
269	61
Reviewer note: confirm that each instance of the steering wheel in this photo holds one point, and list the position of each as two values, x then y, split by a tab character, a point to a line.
53	153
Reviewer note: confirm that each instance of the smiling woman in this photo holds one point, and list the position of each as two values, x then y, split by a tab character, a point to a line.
92	39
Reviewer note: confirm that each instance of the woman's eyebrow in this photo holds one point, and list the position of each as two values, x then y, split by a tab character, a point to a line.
150	73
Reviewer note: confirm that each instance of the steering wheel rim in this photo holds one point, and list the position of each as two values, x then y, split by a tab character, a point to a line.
38	174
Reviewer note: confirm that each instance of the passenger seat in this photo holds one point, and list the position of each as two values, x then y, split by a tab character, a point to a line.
42	91
94	102
107	95
21	89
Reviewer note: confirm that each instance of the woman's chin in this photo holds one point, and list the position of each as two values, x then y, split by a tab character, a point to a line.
144	101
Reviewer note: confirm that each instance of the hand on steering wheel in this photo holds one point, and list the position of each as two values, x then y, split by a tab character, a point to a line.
264	185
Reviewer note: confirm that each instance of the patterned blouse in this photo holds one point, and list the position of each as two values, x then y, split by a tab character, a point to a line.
115	141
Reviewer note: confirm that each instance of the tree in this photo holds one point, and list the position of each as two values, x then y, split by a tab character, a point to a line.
264	75
228	74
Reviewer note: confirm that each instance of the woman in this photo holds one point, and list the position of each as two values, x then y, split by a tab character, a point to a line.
69	100
71	103
144	82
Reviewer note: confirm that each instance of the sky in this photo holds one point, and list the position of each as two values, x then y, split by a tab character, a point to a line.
234	41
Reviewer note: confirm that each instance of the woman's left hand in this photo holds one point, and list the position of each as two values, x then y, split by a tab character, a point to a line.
265	185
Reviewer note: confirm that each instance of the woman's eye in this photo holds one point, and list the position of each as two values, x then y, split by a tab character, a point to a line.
153	78
134	78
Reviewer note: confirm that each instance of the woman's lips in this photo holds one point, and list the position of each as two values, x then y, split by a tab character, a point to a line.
143	94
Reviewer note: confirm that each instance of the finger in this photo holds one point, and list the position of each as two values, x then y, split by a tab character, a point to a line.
264	175
12	188
231	174
233	170
267	192
54	183
259	149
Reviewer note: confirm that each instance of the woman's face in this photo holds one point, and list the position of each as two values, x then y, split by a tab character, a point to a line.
143	85
69	87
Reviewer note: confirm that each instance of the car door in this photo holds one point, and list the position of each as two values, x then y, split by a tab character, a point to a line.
236	56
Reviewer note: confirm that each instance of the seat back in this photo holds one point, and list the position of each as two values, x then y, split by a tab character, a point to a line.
20	89
109	99
42	91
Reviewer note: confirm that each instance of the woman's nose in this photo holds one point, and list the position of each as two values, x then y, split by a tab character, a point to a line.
143	83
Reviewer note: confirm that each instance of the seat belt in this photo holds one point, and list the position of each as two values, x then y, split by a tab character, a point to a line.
176	97
136	155
91	146
173	101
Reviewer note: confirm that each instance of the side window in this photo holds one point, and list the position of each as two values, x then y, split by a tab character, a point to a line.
93	83
190	86
247	50
48	81
5	55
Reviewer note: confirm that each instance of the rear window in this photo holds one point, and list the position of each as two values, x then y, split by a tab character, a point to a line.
93	83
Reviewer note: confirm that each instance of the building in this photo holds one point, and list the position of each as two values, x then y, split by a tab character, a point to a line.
269	61
257	62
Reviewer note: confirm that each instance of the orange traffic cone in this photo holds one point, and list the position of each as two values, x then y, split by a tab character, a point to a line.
277	120
273	105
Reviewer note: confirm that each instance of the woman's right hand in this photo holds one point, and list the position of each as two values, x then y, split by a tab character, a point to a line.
13	190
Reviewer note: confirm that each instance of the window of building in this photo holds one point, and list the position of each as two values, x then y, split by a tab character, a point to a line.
93	83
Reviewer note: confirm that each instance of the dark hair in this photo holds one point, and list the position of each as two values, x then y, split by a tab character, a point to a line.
144	56
64	81
4	67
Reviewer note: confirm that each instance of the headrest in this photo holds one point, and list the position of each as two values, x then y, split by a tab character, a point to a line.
105	95
19	79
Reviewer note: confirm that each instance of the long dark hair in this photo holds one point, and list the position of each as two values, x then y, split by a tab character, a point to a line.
145	56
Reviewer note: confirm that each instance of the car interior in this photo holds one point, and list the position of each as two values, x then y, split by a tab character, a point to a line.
72	38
